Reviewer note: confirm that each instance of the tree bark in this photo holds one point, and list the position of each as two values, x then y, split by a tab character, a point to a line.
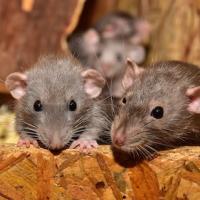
38	174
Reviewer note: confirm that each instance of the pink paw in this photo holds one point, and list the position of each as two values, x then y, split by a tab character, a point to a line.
27	143
84	145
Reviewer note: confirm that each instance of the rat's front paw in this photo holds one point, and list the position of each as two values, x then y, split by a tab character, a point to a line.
27	143
84	145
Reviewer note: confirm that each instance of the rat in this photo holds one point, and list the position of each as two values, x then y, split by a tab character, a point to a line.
58	106
114	26
119	24
108	57
110	62
160	109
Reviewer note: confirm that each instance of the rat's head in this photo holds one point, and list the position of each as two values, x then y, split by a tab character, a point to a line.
54	98
111	56
156	112
116	25
123	25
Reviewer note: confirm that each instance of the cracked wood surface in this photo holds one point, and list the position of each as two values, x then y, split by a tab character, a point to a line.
38	174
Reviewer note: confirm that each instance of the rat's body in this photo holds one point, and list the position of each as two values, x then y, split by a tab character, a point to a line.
160	110
55	109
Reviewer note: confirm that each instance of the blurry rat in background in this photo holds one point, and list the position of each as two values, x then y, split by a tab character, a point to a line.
108	43
125	26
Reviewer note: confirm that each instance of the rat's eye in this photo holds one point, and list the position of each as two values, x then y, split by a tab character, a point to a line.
72	105
157	112
37	106
119	57
124	100
99	54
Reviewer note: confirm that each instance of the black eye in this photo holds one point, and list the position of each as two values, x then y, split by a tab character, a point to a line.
37	106
99	54
119	57
124	100
157	112
72	105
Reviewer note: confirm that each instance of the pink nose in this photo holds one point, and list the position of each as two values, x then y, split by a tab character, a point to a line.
55	143
119	139
106	66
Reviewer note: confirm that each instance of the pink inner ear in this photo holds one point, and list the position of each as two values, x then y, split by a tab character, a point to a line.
143	32
93	82
132	70
91	89
194	95
16	84
91	37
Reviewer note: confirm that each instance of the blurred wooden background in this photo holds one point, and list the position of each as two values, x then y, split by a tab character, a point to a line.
30	28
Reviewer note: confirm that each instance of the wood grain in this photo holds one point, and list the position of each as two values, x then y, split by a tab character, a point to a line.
38	174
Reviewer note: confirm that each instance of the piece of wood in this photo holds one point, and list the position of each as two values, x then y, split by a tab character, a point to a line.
38	174
177	32
175	28
31	28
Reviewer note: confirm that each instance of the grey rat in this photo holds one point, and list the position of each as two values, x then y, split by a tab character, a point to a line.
161	109
110	62
56	104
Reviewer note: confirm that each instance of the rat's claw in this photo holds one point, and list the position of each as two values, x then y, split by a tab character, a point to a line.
84	146
27	143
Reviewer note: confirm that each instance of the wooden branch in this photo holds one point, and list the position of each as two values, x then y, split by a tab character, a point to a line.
38	174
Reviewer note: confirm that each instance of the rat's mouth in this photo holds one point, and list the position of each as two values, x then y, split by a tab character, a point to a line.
130	148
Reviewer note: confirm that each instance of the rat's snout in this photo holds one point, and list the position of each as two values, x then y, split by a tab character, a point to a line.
118	136
56	142
119	139
106	67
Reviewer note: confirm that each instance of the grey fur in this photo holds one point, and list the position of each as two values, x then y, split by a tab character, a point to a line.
55	81
162	84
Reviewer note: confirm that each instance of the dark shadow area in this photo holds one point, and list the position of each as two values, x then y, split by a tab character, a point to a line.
124	159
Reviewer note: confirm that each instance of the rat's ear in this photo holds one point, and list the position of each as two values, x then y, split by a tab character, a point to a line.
143	30
16	84
91	38
194	95
137	53
93	82
132	70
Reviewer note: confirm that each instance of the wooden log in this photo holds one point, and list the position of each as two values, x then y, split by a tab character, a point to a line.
38	174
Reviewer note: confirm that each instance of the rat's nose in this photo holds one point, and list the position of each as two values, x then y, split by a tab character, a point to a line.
119	139
55	143
106	66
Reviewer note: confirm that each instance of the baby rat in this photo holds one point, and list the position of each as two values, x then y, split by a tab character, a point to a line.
122	25
109	61
161	109
56	105
115	26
